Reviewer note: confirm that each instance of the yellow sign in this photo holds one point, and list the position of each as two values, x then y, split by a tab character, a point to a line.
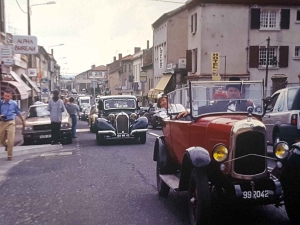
215	76
215	60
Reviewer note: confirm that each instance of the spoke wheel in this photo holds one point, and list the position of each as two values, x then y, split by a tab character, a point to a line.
162	189
199	198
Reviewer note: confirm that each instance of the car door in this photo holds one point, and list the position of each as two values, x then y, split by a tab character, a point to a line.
274	112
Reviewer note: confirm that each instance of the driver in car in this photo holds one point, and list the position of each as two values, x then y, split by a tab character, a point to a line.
232	104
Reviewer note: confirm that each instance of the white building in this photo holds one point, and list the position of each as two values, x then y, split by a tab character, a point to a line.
239	29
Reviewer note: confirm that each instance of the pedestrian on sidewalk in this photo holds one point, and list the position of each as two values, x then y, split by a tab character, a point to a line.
73	110
8	111
56	108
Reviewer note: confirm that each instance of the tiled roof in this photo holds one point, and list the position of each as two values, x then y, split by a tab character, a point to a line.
100	68
128	57
246	2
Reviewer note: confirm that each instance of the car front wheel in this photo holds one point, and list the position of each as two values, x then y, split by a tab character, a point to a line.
143	138
199	198
100	139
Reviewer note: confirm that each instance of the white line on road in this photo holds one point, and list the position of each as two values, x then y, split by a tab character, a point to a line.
56	154
153	134
82	130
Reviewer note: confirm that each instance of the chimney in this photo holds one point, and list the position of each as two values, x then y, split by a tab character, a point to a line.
93	66
115	58
120	56
52	51
136	49
147	44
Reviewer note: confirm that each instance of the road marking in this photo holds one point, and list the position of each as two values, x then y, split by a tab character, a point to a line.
56	154
153	134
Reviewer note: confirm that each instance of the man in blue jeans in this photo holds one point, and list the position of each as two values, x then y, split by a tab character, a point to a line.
73	110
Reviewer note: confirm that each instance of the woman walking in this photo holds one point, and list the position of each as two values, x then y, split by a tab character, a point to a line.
73	110
56	108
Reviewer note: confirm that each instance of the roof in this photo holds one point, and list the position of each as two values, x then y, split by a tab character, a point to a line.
117	96
100	68
192	3
168	15
128	57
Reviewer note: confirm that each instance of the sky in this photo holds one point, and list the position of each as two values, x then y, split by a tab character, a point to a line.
92	31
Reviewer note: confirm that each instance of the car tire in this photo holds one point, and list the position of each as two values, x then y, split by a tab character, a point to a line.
162	188
199	198
69	140
91	128
292	209
153	122
100	139
143	138
27	141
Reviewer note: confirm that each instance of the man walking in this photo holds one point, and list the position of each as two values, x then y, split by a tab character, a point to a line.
8	111
73	110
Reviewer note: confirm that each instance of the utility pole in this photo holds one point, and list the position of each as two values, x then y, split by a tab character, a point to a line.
267	63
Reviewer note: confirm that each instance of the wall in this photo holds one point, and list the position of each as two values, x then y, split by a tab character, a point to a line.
114	80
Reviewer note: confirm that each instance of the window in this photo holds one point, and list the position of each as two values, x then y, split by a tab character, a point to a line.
281	102
272	57
129	67
269	19
298	15
194	60
194	23
291	96
125	69
297	52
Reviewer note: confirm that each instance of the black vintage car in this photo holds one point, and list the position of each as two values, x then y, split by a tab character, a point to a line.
118	118
152	115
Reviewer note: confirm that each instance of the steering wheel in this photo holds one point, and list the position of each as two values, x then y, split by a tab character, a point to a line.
227	105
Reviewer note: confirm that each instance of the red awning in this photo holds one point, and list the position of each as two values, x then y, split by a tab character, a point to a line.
18	91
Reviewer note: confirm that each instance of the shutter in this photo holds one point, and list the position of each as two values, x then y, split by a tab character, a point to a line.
283	56
254	57
285	19
196	22
196	60
189	60
255	18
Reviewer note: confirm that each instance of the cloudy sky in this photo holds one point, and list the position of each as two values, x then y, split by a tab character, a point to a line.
92	31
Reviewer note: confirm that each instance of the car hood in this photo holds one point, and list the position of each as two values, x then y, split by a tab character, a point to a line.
42	120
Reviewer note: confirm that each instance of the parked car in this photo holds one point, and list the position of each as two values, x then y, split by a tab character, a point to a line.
118	118
218	152
84	112
151	116
282	116
38	126
92	117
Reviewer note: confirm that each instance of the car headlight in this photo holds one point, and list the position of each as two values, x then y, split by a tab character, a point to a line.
64	125
111	117
133	116
281	150
220	153
28	128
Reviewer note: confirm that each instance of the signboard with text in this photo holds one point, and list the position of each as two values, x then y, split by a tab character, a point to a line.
25	45
32	72
160	57
99	74
143	77
215	64
6	55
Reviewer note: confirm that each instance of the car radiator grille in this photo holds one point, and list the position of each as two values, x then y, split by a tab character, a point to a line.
122	124
42	127
250	143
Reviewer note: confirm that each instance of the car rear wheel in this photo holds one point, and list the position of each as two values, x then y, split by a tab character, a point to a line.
27	141
199	198
143	138
69	140
91	128
162	188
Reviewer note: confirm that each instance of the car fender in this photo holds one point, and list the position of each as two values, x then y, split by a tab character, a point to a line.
197	157
140	123
276	127
160	149
103	124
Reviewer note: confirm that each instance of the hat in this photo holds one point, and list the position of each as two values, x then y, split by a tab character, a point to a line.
237	86
161	95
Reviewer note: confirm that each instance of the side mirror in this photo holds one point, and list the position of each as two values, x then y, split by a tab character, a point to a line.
267	101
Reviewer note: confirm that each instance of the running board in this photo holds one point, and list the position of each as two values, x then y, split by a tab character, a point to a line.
171	180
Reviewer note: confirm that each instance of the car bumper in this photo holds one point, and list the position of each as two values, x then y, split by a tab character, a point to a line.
289	133
112	133
46	134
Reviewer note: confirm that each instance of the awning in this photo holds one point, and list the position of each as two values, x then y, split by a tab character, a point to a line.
18	90
19	80
32	84
160	87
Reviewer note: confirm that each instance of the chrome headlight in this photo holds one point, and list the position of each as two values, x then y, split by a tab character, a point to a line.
111	117
220	153
64	125
28	128
281	150
133	116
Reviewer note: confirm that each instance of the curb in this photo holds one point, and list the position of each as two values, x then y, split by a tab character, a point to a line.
30	149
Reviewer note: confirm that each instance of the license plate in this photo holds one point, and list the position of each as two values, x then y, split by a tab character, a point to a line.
255	194
45	136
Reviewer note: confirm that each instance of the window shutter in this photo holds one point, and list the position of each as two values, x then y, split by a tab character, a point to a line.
196	22
255	18
283	56
285	19
254	57
192	24
189	60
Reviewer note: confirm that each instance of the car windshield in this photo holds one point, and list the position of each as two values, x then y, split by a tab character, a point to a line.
119	103
38	111
212	97
84	101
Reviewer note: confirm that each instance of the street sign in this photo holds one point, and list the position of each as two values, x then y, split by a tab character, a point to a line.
143	77
6	55
25	45
215	60
32	72
45	90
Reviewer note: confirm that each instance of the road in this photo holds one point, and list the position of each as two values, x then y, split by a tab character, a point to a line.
111	184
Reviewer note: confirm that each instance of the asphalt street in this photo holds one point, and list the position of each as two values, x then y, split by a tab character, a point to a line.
112	184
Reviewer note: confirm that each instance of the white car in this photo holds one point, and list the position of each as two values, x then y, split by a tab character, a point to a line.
282	116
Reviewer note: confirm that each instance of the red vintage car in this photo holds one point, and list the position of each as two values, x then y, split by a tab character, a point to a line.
220	149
